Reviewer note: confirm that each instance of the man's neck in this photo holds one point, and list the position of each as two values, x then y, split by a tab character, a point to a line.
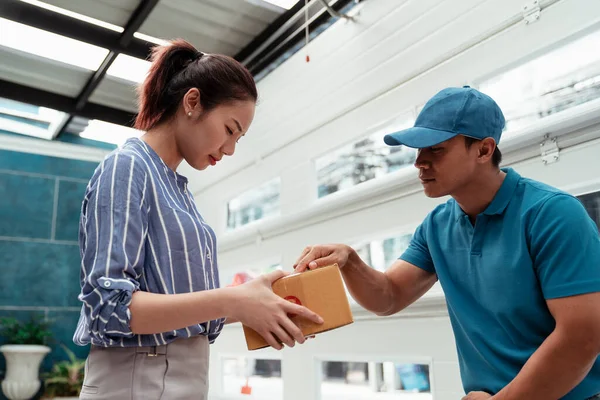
475	197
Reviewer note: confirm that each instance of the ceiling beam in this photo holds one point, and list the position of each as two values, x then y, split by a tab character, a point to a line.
269	31
42	98
134	23
64	25
284	33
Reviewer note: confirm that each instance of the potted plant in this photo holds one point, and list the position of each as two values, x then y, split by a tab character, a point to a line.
65	379
24	352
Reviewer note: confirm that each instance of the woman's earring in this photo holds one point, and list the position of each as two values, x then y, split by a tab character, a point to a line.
189	114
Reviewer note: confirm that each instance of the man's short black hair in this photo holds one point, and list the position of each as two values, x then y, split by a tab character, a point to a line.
496	157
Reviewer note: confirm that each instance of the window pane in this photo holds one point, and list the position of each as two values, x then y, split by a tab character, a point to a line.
254	204
129	68
556	81
28	119
375	380
394	247
287	4
254	378
73	14
380	254
108	132
363	160
49	45
591	202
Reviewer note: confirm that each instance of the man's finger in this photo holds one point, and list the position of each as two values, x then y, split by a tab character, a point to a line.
303	263
304	253
322	262
314	259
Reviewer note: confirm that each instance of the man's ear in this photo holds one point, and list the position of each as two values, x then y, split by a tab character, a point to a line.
486	148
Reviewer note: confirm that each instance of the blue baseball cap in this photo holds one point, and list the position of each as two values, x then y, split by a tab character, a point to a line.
452	112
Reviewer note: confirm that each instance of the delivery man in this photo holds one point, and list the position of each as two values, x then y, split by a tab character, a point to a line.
518	260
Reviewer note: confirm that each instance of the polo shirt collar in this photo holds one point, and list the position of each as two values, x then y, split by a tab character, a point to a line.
502	197
504	194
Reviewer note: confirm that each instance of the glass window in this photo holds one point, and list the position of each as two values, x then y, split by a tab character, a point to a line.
363	160
50	45
380	254
129	68
556	81
254	378
591	202
254	204
375	380
109	133
286	4
27	119
73	14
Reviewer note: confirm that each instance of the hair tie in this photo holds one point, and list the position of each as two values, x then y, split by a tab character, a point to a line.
198	55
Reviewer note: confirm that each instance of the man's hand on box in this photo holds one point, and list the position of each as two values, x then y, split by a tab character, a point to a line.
262	310
322	255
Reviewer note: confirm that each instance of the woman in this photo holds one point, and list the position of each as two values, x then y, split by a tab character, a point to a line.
150	284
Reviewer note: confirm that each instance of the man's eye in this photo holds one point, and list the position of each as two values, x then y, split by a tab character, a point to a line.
229	130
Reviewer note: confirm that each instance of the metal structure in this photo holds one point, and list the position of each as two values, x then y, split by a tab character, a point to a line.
252	34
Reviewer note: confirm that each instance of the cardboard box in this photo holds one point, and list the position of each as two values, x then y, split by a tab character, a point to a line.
320	290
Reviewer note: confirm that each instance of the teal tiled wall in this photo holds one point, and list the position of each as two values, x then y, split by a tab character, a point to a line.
40	204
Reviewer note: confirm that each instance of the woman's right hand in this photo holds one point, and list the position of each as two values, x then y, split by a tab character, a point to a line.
262	310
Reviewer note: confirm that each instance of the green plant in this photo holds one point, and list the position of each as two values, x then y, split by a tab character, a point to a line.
35	331
65	378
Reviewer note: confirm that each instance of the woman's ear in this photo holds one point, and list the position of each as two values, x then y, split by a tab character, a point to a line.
191	102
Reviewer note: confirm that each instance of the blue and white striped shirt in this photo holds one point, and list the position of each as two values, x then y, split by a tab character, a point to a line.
140	230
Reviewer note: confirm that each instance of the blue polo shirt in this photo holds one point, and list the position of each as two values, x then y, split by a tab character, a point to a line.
531	244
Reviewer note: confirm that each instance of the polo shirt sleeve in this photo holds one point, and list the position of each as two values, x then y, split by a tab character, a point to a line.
565	248
417	252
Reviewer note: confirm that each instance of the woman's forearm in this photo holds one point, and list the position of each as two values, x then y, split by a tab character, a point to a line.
155	313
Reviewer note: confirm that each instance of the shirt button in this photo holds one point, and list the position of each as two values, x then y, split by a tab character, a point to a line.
107	284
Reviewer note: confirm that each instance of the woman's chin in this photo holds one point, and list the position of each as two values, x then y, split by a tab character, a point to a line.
199	166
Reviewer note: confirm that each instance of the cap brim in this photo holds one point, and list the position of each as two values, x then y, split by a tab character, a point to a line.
418	137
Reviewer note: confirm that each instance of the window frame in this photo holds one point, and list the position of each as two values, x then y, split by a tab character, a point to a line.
369	358
407	115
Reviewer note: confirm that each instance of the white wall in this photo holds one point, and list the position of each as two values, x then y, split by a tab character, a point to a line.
361	75
307	110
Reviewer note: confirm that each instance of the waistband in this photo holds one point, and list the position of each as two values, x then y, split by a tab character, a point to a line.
151	351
